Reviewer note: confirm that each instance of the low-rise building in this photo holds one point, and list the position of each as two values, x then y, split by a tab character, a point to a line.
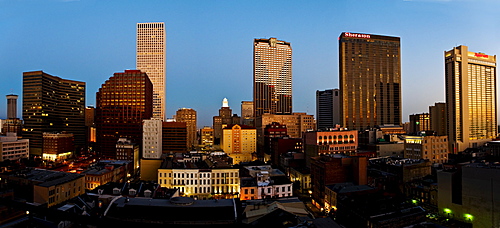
318	143
57	146
42	186
203	176
432	148
12	148
264	182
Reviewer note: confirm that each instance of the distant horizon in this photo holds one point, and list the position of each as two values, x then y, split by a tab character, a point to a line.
210	52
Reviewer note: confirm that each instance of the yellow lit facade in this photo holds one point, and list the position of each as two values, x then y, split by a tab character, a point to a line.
470	98
201	183
239	142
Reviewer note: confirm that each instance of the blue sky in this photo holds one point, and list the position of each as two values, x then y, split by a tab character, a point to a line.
210	44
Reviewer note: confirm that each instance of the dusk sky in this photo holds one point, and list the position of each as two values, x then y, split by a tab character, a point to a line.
210	44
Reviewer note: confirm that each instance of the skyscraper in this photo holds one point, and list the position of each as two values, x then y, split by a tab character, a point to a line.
188	116
327	108
370	80
272	77
470	98
123	102
151	58
52	104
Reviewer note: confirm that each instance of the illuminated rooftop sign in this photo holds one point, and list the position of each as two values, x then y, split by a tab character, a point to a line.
481	55
355	35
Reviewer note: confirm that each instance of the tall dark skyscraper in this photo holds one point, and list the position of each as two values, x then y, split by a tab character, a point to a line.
471	100
327	108
370	80
52	104
272	77
123	102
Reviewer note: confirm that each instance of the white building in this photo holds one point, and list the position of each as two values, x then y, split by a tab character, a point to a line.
152	139
12	148
152	59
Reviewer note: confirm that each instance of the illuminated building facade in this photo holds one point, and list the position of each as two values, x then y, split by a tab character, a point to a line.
188	116
52	104
370	80
123	102
208	177
272	77
207	136
318	143
239	142
432	148
152	59
471	98
57	146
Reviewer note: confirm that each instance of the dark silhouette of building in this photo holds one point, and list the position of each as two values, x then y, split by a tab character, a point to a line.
174	137
52	104
327	109
123	102
370	79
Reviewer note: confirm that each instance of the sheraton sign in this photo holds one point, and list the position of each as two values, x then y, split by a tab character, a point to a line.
356	35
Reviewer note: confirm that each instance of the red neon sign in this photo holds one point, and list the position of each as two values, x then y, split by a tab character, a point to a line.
480	55
355	35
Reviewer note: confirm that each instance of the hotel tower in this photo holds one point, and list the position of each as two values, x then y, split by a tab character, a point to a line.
151	58
470	98
370	80
272	77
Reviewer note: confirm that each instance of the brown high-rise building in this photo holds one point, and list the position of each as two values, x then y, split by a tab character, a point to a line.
188	116
224	118
370	80
123	102
174	137
438	118
52	104
471	100
272	77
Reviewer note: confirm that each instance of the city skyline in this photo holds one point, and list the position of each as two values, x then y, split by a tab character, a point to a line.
209	48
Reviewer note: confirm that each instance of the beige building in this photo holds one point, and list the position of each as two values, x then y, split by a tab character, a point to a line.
152	138
432	148
471	100
152	58
272	77
239	142
188	116
12	148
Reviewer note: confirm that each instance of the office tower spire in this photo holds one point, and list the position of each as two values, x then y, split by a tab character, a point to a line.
272	77
470	98
370	80
151	58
